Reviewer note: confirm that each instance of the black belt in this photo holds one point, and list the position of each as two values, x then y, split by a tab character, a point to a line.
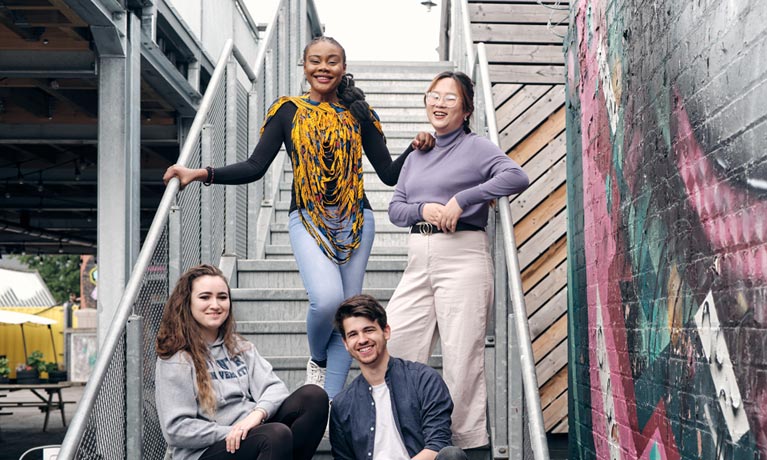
425	228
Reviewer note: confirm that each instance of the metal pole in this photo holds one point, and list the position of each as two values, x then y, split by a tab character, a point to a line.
53	345
134	387
24	342
532	397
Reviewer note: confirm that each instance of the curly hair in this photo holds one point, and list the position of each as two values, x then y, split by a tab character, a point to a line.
180	332
465	87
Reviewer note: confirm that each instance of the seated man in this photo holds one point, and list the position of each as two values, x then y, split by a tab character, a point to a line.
395	410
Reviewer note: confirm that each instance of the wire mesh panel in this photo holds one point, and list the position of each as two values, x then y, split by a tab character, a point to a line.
241	230
194	234
104	436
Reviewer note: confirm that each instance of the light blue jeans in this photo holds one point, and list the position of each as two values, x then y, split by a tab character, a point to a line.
329	284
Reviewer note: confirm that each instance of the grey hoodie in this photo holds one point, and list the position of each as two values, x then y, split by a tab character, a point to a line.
241	383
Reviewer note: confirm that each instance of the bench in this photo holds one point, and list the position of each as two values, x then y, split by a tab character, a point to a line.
45	404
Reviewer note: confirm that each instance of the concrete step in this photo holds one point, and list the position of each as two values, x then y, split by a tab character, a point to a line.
286	304
378	201
292	369
277	274
284	251
281	338
392	86
402	115
388	100
387	234
323	452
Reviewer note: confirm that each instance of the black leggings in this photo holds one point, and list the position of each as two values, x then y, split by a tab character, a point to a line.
297	427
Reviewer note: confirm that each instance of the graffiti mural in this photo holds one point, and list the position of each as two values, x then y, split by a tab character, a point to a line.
667	200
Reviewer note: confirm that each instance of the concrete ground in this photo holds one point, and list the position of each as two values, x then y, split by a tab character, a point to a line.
23	429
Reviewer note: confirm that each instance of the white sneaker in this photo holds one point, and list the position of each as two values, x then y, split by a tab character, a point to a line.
315	375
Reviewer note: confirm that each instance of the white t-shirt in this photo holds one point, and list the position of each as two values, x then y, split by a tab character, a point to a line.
388	443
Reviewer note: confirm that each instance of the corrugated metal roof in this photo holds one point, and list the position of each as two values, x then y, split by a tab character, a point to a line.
23	289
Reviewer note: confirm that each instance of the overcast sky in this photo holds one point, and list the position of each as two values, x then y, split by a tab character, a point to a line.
372	30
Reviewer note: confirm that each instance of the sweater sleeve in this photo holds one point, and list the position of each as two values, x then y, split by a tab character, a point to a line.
276	130
437	408
505	176
176	400
374	144
401	212
267	390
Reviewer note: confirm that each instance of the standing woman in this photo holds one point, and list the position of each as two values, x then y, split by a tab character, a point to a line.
331	224
447	287
217	398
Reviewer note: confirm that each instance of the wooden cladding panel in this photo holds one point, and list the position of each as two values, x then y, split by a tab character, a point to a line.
517	14
549	208
518	33
529	74
553	388
523	40
546	132
549	260
524	54
517	104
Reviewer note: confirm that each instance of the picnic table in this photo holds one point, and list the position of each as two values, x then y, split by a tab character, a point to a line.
46	403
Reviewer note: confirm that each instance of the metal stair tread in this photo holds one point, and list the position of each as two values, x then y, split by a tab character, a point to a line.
299	362
381	227
294	293
265	265
286	249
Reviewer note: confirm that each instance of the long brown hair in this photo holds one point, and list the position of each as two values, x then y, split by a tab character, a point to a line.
180	332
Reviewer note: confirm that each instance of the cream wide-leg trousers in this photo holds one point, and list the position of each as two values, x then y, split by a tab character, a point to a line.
445	293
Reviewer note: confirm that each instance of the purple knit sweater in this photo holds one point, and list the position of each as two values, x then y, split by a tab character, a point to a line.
466	166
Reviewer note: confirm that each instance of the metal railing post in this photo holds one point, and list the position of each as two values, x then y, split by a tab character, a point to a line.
206	200
174	246
521	328
230	210
134	387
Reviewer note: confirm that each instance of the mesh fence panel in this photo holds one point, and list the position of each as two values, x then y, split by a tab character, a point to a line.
105	432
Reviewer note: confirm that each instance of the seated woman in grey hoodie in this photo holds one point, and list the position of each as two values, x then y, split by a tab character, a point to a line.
216	396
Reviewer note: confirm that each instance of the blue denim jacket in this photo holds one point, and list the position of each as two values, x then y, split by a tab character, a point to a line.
420	401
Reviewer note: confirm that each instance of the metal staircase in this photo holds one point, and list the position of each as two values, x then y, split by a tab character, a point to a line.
118	420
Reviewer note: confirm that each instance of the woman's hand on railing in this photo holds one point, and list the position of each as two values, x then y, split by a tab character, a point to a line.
185	175
423	141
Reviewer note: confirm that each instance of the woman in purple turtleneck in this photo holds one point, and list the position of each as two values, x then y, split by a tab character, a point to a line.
447	287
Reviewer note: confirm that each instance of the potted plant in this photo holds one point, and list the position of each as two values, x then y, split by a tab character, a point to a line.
5	370
30	373
55	375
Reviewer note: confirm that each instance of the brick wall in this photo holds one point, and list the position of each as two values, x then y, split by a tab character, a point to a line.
667	199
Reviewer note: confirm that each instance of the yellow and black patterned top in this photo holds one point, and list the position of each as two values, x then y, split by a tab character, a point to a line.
325	143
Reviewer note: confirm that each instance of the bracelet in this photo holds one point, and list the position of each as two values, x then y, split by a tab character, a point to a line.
209	179
263	411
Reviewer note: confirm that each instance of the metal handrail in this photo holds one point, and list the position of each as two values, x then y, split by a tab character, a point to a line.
529	376
126	307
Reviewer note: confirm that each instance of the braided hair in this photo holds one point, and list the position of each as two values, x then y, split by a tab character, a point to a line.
465	87
347	91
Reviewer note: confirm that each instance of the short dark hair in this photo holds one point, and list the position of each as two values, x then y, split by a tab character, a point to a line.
362	305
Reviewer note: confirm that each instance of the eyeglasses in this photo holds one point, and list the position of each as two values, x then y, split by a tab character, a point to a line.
448	100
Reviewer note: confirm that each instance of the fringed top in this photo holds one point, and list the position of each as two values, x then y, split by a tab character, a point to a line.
327	173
